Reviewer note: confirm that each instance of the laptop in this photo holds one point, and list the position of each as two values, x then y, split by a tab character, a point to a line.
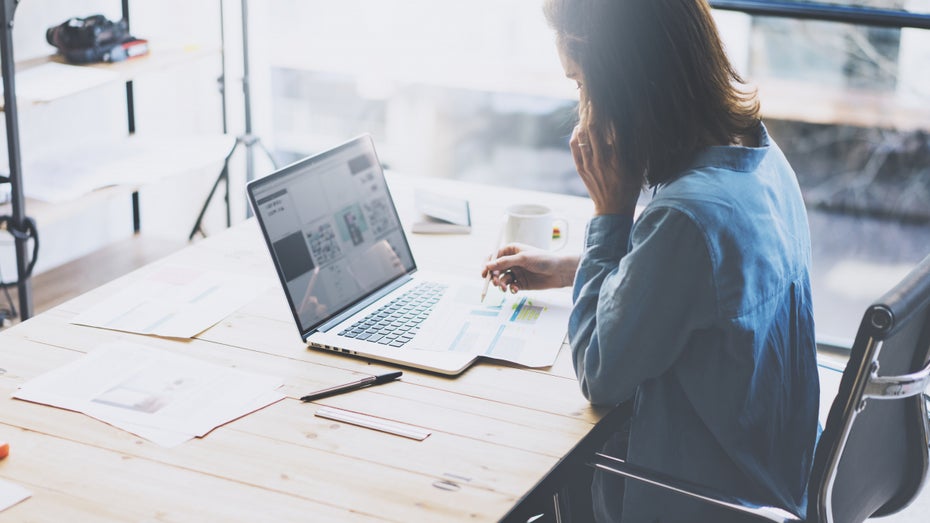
341	255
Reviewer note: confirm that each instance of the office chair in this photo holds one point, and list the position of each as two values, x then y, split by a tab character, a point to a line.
872	457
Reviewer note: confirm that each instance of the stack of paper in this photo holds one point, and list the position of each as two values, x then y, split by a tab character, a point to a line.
162	397
176	301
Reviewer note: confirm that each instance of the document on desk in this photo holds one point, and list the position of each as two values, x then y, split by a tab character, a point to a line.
157	395
11	494
175	301
527	328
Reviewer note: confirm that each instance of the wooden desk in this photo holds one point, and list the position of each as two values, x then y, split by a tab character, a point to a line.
496	430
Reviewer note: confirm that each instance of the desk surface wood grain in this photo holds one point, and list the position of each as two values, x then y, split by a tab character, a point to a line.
496	430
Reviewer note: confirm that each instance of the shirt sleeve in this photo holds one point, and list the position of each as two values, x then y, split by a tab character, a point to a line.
640	292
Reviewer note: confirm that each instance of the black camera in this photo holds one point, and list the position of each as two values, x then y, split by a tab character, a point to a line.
79	33
94	39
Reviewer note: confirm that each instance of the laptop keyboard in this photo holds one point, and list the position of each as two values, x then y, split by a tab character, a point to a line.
397	322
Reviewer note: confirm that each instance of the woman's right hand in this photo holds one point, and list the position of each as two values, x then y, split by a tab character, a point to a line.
611	190
522	267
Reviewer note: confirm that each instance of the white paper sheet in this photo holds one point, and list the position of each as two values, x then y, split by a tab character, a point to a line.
174	301
527	328
11	494
152	393
172	438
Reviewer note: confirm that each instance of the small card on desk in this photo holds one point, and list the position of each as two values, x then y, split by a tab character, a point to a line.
441	214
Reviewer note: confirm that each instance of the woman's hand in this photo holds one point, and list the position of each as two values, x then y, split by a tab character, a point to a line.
521	267
611	190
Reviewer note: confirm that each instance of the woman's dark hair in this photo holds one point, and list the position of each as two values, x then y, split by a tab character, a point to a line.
658	86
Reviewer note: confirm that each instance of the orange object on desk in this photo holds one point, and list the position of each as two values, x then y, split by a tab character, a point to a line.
4	449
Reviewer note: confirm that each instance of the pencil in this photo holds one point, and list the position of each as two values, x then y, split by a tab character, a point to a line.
484	290
493	257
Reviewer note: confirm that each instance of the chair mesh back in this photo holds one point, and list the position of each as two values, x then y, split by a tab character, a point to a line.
884	460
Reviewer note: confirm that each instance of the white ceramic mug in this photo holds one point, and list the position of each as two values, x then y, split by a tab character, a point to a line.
532	224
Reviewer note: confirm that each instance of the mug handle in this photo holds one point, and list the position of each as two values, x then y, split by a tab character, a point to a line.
559	233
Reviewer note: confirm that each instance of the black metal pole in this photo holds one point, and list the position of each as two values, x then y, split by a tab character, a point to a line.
130	99
18	223
131	125
827	12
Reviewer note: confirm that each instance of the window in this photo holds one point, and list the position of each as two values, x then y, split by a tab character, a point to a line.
474	90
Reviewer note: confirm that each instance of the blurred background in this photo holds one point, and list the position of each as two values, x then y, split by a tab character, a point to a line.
474	91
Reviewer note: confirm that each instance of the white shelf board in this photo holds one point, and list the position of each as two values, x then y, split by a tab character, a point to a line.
49	78
62	173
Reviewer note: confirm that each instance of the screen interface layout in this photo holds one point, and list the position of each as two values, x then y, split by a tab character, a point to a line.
334	232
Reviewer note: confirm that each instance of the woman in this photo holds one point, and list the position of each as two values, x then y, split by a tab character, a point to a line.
699	311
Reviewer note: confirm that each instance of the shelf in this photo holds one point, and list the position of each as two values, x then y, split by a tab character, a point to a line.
46	79
94	212
46	213
64	173
32	76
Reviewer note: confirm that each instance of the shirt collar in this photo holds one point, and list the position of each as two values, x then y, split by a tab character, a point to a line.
734	157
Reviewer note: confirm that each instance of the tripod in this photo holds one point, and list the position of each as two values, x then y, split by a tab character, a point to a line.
248	140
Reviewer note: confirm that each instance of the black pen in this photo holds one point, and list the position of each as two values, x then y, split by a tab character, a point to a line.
355	385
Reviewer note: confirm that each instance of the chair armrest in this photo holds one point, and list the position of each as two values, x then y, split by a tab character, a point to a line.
619	467
894	387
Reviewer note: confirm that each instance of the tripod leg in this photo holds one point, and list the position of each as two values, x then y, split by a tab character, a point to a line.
224	176
274	164
228	214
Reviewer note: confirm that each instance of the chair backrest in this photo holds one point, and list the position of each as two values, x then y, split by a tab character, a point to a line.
872	457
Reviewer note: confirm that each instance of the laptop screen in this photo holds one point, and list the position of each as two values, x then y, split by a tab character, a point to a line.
332	230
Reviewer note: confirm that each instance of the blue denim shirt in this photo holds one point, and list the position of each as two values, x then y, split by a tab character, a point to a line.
700	312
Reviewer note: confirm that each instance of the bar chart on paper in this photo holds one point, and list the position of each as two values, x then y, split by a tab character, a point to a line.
526	312
526	329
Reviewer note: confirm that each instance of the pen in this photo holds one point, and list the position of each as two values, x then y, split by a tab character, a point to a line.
497	247
484	290
355	385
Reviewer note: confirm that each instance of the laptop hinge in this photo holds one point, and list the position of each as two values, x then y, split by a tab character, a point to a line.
341	317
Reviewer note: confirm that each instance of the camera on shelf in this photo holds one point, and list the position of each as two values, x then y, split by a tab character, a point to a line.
95	39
